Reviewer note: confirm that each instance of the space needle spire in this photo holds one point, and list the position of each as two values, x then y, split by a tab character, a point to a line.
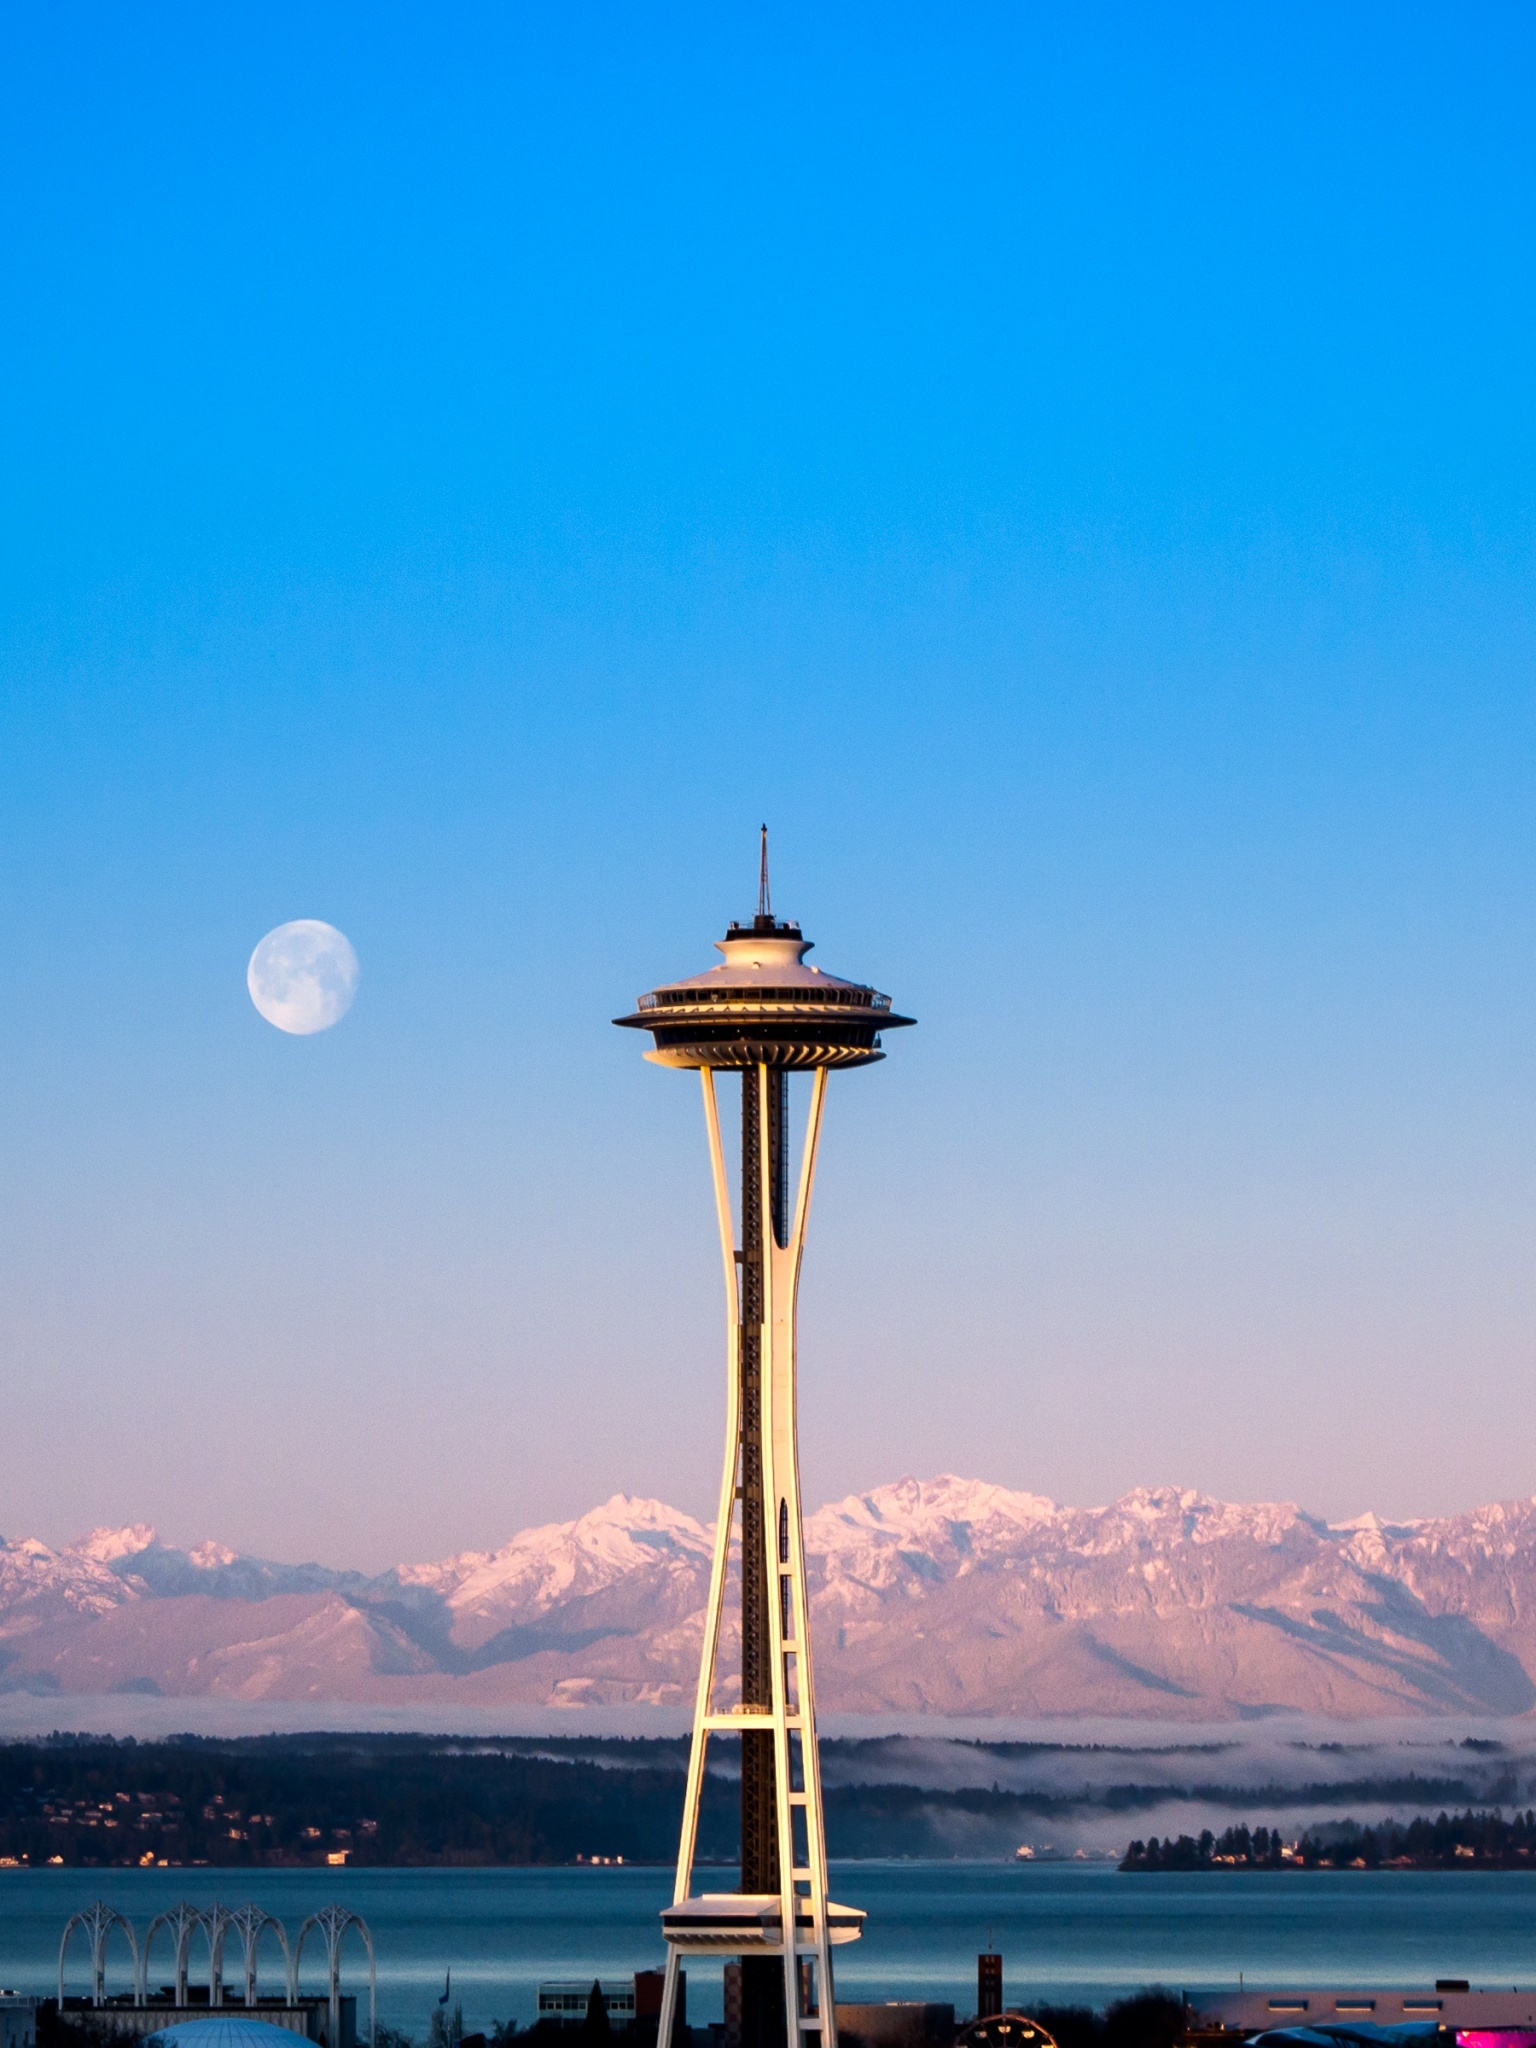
763	1014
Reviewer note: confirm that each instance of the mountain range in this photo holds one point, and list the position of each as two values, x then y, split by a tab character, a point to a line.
943	1596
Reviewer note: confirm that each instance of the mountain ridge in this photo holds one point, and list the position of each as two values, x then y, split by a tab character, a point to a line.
946	1595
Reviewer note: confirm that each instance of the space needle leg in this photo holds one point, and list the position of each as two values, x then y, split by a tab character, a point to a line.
715	1606
808	1998
817	1979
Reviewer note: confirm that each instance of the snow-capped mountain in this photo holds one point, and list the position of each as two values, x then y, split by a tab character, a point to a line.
650	1553
946	1595
39	1585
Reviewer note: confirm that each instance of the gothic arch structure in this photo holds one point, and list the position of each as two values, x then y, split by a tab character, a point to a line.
331	1923
97	1922
216	1923
250	1923
183	1922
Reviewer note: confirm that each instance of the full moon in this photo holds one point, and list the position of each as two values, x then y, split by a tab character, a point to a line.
303	976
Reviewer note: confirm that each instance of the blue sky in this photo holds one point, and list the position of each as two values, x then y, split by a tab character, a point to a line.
1069	469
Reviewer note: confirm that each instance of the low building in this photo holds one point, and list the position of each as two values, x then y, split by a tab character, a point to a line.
307	2017
895	2023
18	2020
564	2001
1452	2003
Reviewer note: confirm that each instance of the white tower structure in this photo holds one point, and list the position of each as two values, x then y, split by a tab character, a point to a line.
763	1014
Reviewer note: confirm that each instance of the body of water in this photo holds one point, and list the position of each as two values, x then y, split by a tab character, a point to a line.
1066	1932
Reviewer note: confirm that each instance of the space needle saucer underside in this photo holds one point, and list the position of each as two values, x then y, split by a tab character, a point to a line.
761	1037
747	1923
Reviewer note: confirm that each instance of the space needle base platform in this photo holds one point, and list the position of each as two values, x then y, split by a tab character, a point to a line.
765	1015
738	1923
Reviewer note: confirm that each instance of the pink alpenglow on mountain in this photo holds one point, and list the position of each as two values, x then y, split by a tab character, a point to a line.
944	1596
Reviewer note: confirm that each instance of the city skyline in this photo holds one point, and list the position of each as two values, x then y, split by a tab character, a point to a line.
438	452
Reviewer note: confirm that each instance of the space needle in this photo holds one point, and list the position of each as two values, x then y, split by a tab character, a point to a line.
762	1013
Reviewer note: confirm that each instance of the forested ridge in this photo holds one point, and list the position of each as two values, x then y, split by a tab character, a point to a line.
377	1800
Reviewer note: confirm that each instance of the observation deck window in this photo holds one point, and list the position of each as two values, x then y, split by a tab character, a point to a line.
818	998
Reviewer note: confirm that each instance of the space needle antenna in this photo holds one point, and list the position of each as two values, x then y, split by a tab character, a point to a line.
764	903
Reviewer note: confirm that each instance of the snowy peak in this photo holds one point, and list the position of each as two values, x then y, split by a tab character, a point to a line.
38	1585
1167	1516
919	1531
625	1542
543	1564
963	1517
957	1525
109	1546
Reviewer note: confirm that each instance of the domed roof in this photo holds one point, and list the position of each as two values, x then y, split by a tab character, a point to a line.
231	2029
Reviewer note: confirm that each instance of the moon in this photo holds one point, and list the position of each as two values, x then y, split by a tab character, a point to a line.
303	976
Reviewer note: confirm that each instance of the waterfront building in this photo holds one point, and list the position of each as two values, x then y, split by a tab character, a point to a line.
896	2023
18	2020
764	1015
564	2001
311	2019
1453	2004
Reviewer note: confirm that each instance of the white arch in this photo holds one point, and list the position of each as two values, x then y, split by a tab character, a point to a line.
183	1921
98	1921
250	1922
333	1922
215	1922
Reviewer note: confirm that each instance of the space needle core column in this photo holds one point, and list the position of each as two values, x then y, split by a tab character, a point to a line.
765	1015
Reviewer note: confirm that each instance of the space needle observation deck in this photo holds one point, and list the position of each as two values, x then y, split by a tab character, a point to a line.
762	1006
764	1014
